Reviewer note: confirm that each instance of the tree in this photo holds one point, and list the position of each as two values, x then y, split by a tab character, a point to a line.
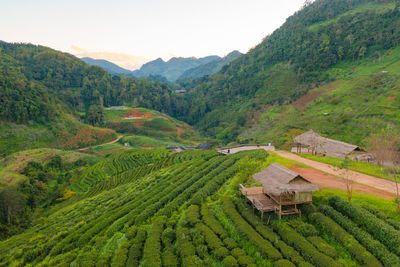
95	115
11	204
344	165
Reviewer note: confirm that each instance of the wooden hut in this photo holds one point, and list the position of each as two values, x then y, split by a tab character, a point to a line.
282	190
312	143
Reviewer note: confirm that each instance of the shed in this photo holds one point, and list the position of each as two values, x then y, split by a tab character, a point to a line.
282	190
311	142
204	146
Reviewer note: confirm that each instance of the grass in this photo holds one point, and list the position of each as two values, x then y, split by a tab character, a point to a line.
106	147
358	166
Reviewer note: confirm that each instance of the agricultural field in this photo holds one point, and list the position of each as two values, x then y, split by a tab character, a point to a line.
155	208
143	127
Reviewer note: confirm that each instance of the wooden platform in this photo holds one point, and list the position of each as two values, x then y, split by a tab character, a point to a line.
263	203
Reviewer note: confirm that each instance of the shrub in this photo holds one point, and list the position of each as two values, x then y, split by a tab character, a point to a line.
187	249
152	246
305	264
357	251
288	252
230	243
221	253
245	229
212	222
212	239
245	260
230	261
371	244
192	215
307	209
376	227
202	251
192	261
283	263
237	252
322	246
381	215
307	230
121	254
135	251
169	258
168	236
131	232
308	251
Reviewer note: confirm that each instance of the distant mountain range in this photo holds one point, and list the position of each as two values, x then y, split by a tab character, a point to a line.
211	67
173	68
112	68
177	68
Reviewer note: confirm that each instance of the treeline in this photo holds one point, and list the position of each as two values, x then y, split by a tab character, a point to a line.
45	184
35	78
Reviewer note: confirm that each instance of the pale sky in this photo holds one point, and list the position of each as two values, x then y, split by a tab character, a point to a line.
145	28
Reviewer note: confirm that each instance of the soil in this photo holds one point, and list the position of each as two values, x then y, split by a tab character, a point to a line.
329	181
360	178
179	131
135	114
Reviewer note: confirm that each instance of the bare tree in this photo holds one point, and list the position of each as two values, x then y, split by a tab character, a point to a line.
349	181
384	146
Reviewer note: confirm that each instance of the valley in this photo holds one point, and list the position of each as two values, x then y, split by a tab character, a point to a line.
284	156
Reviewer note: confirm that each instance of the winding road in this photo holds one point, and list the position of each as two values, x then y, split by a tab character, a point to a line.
109	143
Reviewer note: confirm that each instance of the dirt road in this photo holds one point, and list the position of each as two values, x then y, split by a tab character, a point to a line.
365	182
109	143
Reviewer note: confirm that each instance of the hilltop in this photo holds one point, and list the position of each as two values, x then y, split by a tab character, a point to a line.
338	58
112	68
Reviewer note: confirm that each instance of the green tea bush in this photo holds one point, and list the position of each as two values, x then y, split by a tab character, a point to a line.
288	252
376	227
193	215
192	261
322	246
383	216
371	244
152	246
237	252
210	220
230	243
245	229
212	239
308	251
230	261
245	260
169	258
220	253
168	236
121	254
357	251
283	263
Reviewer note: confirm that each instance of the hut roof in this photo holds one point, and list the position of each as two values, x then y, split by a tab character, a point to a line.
323	145
204	146
277	180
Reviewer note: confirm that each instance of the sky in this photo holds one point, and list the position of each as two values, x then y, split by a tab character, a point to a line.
143	29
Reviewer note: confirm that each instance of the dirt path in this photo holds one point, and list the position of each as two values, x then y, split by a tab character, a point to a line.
109	143
364	180
327	180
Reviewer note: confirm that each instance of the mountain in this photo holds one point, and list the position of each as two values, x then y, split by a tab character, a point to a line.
173	68
331	67
211	67
46	95
112	68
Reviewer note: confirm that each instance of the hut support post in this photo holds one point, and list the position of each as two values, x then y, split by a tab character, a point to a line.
262	215
280	207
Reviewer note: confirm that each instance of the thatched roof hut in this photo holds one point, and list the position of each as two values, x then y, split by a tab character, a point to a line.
311	142
277	180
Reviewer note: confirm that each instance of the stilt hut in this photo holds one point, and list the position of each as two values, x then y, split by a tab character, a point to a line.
282	190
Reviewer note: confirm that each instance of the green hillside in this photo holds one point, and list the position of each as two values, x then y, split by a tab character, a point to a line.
153	208
149	128
327	58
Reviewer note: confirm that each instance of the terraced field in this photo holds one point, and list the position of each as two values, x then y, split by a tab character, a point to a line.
153	208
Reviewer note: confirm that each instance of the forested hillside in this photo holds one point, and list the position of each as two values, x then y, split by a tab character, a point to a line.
44	93
325	51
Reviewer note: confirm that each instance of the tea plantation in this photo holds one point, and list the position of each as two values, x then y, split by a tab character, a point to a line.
155	208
